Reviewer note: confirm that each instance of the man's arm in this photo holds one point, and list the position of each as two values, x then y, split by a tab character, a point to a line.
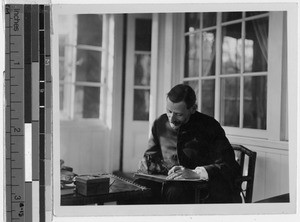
152	155
180	172
223	157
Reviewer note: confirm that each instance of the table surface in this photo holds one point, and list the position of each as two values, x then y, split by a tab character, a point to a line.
120	190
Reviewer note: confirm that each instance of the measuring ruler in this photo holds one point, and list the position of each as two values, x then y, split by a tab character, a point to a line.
27	109
14	94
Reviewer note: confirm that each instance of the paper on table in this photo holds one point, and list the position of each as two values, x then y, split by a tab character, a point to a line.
161	178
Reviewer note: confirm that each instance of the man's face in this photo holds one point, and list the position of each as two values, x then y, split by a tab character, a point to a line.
177	113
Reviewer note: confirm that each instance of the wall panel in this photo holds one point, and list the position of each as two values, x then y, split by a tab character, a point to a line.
271	169
85	147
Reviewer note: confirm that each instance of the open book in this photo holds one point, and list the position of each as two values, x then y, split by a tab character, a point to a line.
162	178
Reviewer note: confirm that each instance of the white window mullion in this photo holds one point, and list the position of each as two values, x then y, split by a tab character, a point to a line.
218	66
274	75
168	54
200	64
142	87
104	68
153	69
73	40
241	123
89	47
90	84
109	74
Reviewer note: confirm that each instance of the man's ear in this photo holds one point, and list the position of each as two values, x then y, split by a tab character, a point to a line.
194	108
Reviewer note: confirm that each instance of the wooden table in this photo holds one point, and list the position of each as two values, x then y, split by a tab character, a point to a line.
120	191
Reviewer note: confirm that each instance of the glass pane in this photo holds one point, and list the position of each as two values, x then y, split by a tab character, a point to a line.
143	34
256	45
142	65
64	51
208	97
88	66
61	97
87	102
230	101
62	45
231	49
248	14
195	86
141	104
192	22
89	30
208	53
230	16
255	102
191	66
209	19
62	71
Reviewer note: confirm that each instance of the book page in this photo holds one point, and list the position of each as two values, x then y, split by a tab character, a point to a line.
160	177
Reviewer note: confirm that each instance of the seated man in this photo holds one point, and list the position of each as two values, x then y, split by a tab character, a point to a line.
185	143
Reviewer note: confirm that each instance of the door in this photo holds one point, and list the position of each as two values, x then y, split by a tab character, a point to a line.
137	89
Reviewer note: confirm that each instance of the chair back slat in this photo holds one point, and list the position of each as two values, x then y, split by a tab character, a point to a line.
246	159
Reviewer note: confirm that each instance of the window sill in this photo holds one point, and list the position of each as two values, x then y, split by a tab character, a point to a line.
260	143
243	132
79	123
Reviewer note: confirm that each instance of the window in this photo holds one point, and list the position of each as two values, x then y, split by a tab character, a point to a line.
142	64
82	66
226	63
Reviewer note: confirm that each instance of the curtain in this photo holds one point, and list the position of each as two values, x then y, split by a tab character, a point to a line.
261	32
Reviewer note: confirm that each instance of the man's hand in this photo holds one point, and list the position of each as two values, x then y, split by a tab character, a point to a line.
180	172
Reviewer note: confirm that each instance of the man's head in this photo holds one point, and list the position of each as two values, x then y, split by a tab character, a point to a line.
181	104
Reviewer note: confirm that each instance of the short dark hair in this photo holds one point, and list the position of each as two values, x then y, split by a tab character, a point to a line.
182	92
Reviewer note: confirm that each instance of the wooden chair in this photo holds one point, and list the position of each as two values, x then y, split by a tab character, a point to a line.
247	159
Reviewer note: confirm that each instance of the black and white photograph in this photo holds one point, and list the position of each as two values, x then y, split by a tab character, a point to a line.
150	111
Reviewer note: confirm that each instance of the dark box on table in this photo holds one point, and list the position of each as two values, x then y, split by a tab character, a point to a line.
92	185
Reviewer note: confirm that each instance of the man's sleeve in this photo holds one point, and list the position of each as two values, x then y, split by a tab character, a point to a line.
223	157
154	148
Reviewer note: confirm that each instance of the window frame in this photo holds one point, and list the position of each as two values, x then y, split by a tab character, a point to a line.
70	84
274	84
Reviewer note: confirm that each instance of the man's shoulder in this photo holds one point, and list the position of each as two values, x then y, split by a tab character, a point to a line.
204	117
204	120
162	118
